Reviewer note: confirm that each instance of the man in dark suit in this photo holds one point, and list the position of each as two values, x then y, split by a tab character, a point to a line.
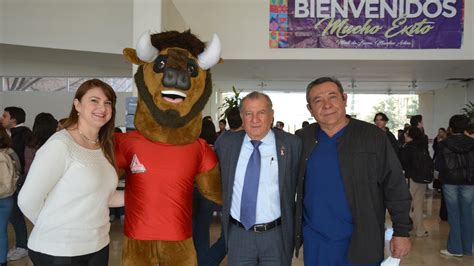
258	168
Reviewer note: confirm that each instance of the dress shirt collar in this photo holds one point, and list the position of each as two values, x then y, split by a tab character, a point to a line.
267	140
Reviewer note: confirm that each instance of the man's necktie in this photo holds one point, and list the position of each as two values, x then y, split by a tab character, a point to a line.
248	201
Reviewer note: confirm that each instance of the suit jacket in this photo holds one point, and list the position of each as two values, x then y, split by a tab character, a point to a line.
288	147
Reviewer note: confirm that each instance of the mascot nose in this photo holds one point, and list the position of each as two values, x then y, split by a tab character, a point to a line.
176	79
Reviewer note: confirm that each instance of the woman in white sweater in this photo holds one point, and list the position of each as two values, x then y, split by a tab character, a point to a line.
71	184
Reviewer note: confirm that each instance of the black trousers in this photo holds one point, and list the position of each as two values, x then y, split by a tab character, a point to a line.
99	258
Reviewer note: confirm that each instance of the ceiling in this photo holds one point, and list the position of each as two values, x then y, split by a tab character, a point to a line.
359	75
409	76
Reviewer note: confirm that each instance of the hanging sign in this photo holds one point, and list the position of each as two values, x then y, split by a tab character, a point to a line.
366	24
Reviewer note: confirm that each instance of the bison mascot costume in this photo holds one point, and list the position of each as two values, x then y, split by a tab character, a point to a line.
164	158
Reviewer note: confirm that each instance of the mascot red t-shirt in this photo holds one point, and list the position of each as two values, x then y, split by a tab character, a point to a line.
159	185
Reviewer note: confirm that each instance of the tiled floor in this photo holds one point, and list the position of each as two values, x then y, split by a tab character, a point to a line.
425	251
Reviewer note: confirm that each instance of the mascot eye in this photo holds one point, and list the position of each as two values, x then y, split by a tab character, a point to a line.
160	64
192	69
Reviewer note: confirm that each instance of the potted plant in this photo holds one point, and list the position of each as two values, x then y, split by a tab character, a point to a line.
469	111
230	102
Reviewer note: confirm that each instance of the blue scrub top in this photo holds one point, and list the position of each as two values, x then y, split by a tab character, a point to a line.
327	218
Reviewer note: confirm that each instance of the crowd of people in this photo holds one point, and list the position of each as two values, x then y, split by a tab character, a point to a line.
325	188
453	162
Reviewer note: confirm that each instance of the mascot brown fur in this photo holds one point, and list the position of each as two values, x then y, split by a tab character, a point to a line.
164	156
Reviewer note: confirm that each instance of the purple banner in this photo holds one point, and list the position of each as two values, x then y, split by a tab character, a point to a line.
367	24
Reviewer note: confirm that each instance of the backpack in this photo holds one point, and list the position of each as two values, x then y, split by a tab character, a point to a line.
8	174
423	167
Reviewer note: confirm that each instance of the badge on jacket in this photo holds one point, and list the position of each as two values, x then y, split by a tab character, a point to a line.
282	151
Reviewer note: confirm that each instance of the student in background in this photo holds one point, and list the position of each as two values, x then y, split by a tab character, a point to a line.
222	125
45	126
380	120
455	162
303	125
280	125
13	120
408	158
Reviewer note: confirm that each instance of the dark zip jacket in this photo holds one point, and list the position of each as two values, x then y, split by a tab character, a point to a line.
392	139
407	158
455	160
20	135
373	181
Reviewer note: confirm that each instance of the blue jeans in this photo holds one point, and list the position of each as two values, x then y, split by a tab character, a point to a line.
6	205
19	226
459	201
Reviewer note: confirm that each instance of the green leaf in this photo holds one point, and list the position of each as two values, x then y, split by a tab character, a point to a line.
468	110
230	102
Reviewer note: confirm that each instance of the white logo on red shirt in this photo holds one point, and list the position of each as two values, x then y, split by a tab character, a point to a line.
136	166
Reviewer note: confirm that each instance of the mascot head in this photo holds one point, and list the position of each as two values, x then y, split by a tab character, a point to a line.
174	84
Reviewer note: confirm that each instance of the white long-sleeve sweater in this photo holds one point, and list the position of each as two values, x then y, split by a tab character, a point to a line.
66	195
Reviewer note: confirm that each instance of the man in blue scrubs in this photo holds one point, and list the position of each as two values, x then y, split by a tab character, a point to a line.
348	176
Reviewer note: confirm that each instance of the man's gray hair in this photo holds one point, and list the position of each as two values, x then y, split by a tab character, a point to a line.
255	95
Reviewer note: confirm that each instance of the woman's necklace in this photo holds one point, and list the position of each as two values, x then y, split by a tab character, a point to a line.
88	139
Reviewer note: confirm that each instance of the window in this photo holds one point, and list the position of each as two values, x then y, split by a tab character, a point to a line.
50	84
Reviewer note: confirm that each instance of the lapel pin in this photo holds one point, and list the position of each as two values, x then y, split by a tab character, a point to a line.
282	151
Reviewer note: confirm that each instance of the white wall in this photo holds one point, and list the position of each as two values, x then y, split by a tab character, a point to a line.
57	103
85	25
470	91
32	61
243	28
171	18
448	102
2	25
426	109
147	15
